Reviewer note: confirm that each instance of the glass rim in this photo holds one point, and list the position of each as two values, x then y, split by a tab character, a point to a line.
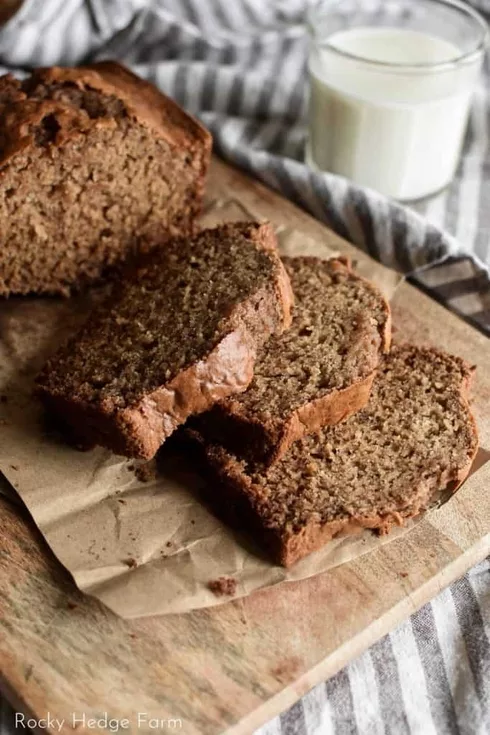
463	58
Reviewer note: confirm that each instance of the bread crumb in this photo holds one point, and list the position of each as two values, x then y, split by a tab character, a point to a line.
287	668
144	472
222	586
130	562
403	574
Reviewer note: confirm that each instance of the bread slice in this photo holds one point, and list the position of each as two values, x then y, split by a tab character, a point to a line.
407	450
96	165
317	373
181	332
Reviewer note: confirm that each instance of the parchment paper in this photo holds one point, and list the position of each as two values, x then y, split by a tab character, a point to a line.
142	548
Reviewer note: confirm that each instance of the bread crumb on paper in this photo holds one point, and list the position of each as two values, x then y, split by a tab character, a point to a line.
144	472
222	586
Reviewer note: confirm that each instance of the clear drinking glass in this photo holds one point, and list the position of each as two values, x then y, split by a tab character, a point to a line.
391	83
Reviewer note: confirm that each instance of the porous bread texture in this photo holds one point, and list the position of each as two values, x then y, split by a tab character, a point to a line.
408	449
95	166
181	331
317	373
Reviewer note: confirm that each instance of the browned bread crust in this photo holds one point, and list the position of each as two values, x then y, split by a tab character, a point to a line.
181	332
409	449
316	374
95	164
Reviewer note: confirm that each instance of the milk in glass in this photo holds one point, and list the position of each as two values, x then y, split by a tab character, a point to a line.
397	124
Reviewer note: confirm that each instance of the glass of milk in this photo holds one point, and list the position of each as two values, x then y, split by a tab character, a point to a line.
391	83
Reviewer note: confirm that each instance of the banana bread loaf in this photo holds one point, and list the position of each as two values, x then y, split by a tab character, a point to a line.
317	373
95	164
407	450
180	332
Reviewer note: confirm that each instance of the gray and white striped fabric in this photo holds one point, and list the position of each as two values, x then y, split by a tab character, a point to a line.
240	66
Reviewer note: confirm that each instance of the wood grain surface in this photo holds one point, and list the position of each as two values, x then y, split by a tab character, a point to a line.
230	668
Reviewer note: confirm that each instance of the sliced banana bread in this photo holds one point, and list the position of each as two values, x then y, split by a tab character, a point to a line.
407	450
95	165
180	332
317	373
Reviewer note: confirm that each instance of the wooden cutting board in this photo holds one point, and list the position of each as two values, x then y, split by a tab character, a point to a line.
231	668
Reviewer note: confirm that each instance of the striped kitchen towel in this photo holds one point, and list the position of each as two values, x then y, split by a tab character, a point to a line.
241	66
